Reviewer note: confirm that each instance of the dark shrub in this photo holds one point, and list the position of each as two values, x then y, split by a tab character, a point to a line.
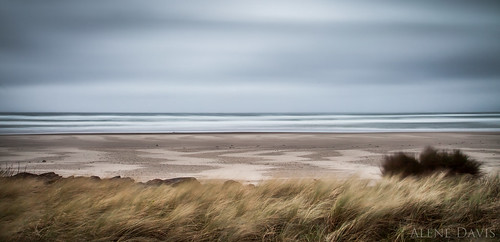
400	164
460	163
431	160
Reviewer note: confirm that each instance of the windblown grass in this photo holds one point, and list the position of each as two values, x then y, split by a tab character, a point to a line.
81	209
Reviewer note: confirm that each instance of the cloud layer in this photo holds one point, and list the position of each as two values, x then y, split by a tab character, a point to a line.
250	56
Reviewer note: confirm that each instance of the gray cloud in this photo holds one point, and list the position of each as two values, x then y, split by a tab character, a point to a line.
232	56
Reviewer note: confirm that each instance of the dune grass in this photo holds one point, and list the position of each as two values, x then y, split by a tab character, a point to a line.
81	209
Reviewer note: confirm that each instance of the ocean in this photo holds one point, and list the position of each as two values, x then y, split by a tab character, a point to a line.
53	123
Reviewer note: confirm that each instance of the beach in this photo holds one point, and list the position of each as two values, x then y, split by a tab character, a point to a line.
245	157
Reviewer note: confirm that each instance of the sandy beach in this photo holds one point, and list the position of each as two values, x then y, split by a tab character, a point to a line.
247	157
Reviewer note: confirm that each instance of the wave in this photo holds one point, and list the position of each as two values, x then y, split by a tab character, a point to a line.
42	123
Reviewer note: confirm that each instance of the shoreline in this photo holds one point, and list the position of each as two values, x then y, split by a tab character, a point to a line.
248	157
216	123
250	132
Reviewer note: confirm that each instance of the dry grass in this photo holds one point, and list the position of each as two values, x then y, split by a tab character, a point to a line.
81	209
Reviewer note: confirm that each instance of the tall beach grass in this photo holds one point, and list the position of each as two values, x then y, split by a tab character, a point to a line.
82	209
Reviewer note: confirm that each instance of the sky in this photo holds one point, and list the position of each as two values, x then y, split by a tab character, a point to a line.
249	56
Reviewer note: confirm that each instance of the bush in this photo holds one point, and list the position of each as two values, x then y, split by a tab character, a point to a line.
400	163
430	161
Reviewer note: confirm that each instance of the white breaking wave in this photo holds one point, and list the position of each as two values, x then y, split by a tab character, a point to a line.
39	123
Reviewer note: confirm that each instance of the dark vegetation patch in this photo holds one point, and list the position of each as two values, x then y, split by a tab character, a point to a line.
431	161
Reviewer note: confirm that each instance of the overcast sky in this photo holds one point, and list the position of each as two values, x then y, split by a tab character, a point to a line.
250	56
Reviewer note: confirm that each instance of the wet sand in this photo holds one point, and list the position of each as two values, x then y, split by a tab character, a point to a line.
247	157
